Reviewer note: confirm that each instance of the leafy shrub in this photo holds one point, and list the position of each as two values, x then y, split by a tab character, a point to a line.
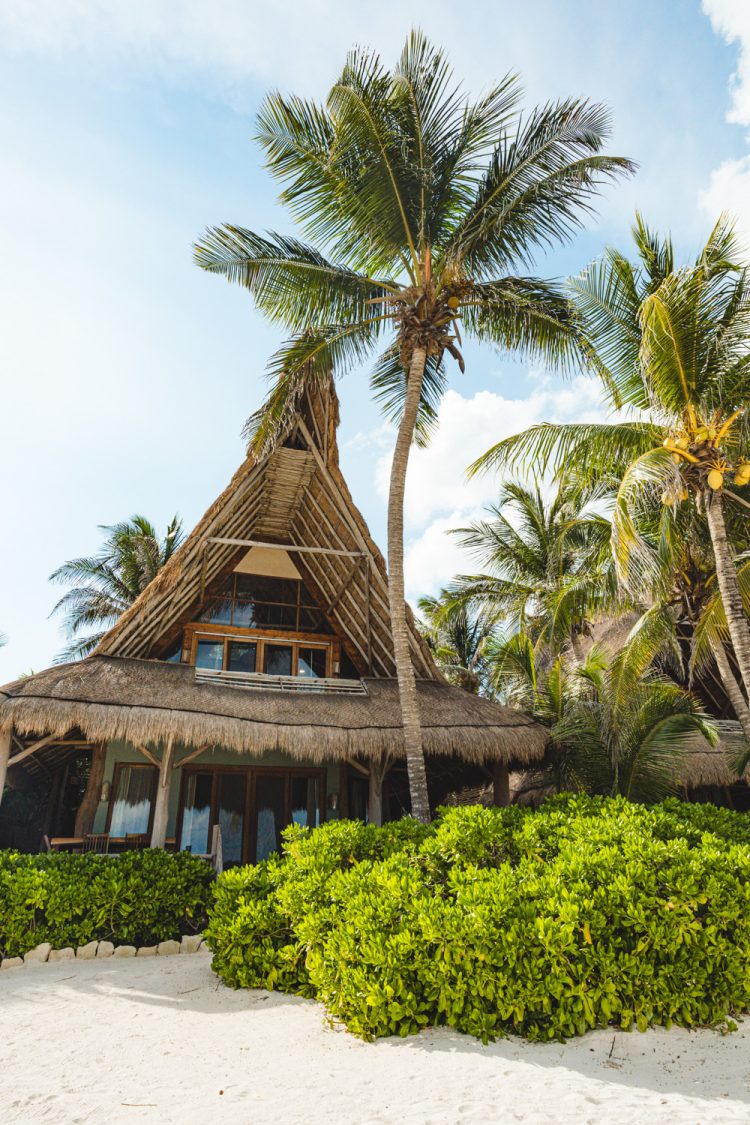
138	898
586	912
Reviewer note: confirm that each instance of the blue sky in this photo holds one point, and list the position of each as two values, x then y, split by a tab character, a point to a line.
126	127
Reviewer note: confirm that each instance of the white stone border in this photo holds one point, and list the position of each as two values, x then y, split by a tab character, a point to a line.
44	953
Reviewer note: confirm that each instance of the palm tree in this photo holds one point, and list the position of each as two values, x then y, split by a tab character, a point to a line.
673	345
615	727
422	207
546	563
104	585
458	637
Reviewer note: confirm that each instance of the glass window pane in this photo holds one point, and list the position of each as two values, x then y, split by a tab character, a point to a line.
244	615
196	814
306	801
232	787
131	810
275	616
311	662
278	660
241	657
218	611
269	804
263	589
210	654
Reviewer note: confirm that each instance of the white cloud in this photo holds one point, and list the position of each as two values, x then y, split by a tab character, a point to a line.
731	18
729	190
438	494
729	185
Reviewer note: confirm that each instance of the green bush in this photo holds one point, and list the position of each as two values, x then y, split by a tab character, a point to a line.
138	898
586	912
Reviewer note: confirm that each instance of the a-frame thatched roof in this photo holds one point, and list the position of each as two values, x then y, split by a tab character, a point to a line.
294	497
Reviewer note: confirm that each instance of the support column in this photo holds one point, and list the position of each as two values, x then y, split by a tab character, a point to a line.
5	744
500	784
161	806
375	794
90	801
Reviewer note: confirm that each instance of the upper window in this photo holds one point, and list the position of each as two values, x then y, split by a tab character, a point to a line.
252	601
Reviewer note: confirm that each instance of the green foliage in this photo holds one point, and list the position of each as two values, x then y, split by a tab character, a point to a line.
584	913
406	192
138	898
103	586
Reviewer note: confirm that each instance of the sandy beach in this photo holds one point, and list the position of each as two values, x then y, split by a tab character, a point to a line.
162	1040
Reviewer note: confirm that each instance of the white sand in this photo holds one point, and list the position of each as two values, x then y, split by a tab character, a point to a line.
162	1041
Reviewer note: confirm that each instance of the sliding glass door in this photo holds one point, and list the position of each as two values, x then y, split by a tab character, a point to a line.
251	806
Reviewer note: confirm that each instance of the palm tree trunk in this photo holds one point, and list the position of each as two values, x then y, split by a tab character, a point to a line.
407	687
732	688
729	588
86	814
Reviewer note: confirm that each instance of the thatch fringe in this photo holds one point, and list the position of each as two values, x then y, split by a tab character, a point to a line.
148	702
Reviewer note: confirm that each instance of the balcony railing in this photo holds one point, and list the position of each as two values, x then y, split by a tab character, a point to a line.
259	681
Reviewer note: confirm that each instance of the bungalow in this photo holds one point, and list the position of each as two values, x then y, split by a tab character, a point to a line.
252	683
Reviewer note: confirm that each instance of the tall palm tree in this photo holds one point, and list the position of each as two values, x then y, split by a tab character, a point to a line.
422	208
104	585
546	562
672	344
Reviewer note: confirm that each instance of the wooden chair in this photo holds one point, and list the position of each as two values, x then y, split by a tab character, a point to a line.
46	846
98	842
136	841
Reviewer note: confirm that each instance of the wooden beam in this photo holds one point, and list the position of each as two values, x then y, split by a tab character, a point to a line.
284	547
5	744
357	766
32	749
189	757
147	754
343	588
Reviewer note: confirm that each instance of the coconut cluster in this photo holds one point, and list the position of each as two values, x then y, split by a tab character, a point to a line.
697	452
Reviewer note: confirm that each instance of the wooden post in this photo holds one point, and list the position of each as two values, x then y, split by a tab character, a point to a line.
375	794
5	743
90	801
500	784
161	807
343	790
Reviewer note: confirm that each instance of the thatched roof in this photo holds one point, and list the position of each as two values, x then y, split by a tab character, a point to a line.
704	765
294	495
148	701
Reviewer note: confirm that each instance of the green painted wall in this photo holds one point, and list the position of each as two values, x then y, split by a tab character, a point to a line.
124	752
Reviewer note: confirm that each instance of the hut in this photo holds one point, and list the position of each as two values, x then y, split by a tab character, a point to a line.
252	683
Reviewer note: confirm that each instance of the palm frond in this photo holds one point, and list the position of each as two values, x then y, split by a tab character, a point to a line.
290	281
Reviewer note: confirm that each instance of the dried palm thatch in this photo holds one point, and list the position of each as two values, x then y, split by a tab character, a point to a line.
149	701
295	495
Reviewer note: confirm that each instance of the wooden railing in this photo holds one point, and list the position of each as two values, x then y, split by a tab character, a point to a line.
259	681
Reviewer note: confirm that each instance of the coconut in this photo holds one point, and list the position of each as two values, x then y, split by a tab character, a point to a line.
715	479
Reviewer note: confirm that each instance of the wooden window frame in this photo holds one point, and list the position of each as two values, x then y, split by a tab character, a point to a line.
200	631
234	597
249	831
119	766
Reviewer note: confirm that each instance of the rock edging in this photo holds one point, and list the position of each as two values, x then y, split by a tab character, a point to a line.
45	954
